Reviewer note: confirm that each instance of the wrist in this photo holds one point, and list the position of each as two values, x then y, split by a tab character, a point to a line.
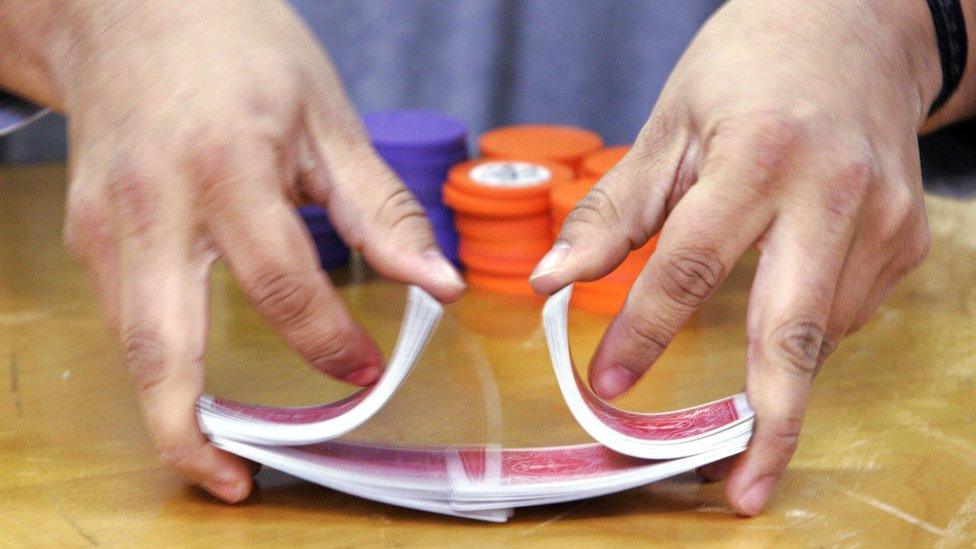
915	47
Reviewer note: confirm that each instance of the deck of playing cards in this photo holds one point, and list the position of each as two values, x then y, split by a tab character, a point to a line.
479	482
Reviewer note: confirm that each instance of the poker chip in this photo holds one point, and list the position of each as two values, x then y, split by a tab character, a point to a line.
507	179
415	129
599	297
532	227
502	214
333	258
565	144
487	264
488	207
529	249
598	163
331	250
420	147
515	285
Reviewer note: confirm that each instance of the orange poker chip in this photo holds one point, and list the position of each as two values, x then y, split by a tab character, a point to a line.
627	272
599	297
495	265
516	250
507	179
632	265
498	229
566	144
598	163
520	318
487	207
517	285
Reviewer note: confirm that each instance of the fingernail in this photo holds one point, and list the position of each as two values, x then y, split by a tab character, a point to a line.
442	269
366	375
614	381
755	497
231	492
551	262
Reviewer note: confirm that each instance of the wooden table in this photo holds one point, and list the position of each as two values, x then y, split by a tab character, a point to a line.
888	454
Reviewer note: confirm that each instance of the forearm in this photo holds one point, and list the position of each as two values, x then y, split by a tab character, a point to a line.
962	104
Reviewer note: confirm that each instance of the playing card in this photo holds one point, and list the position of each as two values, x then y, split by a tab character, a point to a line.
479	482
664	435
305	425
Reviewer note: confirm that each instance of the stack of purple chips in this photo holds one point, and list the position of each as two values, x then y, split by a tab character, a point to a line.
333	252
421	146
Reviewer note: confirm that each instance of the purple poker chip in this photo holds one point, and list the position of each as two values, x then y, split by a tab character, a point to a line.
447	241
440	215
316	221
442	223
332	259
312	212
331	250
420	146
415	130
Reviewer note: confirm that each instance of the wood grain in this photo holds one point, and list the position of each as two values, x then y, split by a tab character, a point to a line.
888	455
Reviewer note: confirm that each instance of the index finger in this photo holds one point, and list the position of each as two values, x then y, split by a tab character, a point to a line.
274	260
707	232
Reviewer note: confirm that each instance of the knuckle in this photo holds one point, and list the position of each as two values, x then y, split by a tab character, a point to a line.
858	172
774	136
845	192
785	434
221	158
399	210
286	298
211	164
135	194
658	133
86	225
900	209
798	344
331	348
596	209
691	276
769	138
144	357
913	250
648	333
176	455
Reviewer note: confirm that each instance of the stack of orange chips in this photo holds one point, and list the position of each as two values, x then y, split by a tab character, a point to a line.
608	294
564	144
502	216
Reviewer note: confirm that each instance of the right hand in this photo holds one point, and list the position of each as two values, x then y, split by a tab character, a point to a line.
788	125
196	128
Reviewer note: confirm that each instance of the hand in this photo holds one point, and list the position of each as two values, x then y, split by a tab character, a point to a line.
791	126
196	128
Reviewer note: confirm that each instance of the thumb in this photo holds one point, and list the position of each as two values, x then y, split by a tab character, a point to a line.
619	214
390	227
